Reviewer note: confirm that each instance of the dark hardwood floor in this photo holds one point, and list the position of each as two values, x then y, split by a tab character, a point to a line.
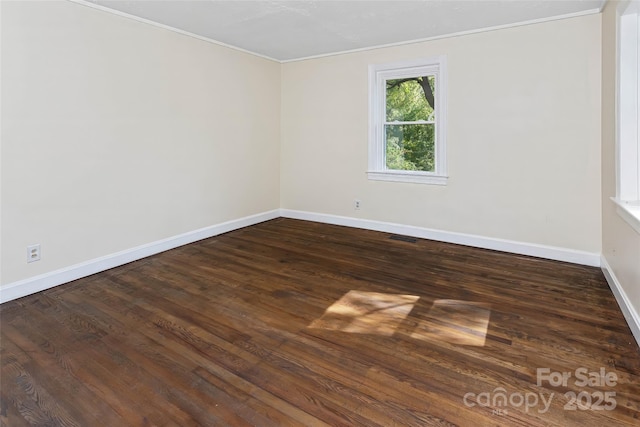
298	323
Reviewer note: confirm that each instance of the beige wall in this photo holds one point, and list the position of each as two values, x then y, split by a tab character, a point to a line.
620	242
523	137
117	134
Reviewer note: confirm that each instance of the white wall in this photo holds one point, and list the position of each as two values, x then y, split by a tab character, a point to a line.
117	134
620	242
523	137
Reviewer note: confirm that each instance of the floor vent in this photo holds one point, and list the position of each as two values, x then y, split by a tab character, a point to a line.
403	238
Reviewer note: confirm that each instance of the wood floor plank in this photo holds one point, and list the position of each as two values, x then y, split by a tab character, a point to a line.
226	331
49	374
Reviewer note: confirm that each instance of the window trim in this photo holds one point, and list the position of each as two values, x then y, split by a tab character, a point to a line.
378	74
627	140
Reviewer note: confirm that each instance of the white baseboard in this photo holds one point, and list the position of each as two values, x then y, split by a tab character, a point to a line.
630	314
522	248
39	283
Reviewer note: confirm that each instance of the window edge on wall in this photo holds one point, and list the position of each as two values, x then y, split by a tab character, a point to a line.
627	137
628	211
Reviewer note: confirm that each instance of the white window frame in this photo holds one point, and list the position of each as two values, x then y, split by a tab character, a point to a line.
627	114
378	75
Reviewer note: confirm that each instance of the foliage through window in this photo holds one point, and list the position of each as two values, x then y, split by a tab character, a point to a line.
407	122
410	124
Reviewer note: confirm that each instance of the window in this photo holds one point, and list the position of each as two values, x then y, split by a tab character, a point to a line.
628	112
407	122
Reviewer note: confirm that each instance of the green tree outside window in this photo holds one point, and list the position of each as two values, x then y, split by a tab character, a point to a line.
410	124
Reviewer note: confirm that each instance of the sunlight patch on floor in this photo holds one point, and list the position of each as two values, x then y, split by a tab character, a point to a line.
455	322
367	313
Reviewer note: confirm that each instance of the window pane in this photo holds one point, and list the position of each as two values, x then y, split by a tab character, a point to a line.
410	147
411	99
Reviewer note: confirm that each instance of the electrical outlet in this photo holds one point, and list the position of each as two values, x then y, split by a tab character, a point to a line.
356	204
33	253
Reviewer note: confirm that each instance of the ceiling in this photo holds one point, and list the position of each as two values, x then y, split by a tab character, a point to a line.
295	29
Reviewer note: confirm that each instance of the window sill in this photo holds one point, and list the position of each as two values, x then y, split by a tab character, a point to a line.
630	212
408	176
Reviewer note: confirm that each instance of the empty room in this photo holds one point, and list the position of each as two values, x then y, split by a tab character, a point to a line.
319	213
